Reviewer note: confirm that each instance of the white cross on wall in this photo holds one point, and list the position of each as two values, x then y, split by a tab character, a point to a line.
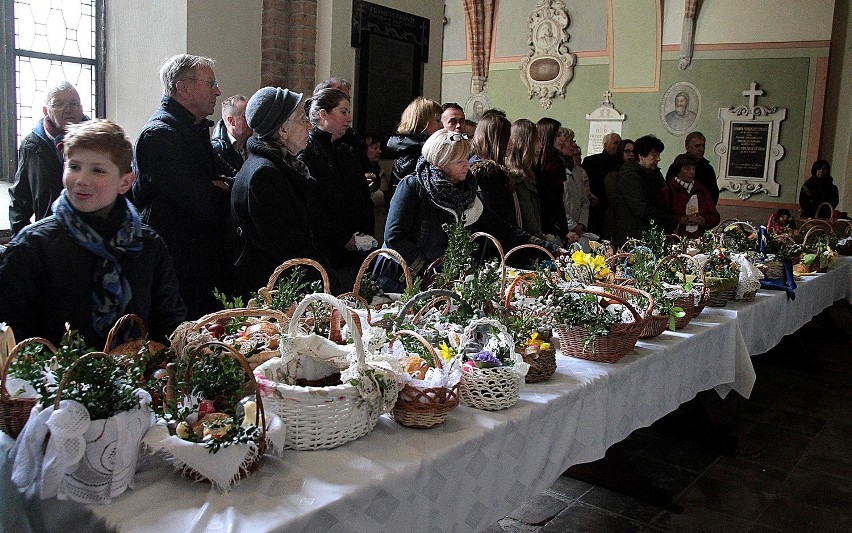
752	95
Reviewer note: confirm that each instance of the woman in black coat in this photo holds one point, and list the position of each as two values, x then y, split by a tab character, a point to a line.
340	207
270	190
817	190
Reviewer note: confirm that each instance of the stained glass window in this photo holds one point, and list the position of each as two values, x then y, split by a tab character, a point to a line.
55	40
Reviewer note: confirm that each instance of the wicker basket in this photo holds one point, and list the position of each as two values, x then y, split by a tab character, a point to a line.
192	333
355	295
622	337
654	326
492	389
319	418
255	450
14	412
266	294
441	299
542	362
699	302
686	302
424	407
132	347
748	296
721	292
815	231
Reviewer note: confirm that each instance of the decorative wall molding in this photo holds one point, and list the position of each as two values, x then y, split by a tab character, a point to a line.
549	66
603	120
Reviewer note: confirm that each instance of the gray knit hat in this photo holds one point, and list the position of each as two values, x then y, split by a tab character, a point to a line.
268	108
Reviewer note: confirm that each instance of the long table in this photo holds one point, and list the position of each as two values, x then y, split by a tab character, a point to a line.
478	466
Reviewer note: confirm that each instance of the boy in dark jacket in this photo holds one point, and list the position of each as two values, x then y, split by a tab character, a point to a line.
93	260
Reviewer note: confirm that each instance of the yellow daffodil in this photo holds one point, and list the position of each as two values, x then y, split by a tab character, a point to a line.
545	346
580	258
445	351
534	340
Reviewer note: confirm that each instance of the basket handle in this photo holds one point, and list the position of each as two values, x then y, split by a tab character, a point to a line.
669	259
70	372
847	228
819	210
13	353
817	229
433	294
354	331
499	247
503	333
603	294
530	246
119	324
436	357
273	279
356	289
519	280
243	312
260	414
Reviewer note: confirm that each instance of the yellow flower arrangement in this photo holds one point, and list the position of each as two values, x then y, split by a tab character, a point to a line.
587	268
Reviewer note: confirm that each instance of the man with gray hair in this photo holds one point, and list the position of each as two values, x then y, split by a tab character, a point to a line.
38	180
178	190
230	136
597	166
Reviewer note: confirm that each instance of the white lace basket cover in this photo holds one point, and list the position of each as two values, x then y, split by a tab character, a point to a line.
750	276
492	389
324	417
89	461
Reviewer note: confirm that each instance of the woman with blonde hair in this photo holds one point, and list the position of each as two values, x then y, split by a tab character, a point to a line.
440	191
420	119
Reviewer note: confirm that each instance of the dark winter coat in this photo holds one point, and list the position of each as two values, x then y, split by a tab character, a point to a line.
269	208
817	191
228	158
415	228
496	190
639	202
174	193
406	150
340	204
47	279
38	180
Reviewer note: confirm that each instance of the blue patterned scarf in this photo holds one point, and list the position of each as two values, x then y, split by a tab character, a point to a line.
111	290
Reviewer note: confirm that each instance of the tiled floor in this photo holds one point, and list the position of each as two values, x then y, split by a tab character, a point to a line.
792	469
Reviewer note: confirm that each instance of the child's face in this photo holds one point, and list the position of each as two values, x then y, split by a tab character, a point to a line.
93	181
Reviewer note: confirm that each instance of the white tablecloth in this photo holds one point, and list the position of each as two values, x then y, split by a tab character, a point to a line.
477	466
772	315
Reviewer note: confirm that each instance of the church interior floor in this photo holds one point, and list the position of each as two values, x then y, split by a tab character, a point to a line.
779	461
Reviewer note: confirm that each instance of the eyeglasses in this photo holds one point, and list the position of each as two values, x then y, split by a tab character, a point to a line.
64	105
455	137
212	84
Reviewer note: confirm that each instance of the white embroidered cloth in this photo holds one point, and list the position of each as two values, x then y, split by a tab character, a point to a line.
222	467
89	461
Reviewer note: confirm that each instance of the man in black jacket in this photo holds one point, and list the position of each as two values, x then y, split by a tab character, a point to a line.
597	166
38	180
230	135
178	190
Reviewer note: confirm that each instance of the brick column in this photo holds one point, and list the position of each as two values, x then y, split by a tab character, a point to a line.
288	44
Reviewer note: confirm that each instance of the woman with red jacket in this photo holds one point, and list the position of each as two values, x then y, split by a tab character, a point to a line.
690	202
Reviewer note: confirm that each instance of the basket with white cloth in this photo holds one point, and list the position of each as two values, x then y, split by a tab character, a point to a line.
320	418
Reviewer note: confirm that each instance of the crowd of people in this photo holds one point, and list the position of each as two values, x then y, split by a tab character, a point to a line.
154	228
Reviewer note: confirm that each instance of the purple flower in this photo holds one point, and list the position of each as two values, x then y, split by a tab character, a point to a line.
486	359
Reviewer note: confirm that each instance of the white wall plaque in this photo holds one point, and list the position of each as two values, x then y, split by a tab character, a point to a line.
605	119
749	148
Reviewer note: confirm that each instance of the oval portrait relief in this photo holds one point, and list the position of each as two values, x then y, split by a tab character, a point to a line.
544	69
680	108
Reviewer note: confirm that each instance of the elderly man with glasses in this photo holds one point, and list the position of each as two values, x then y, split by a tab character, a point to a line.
178	190
38	180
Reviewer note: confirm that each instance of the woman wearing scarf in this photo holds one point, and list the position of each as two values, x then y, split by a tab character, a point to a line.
93	260
690	202
817	190
268	199
440	191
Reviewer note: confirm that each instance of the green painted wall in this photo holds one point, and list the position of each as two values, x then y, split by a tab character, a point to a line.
719	80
